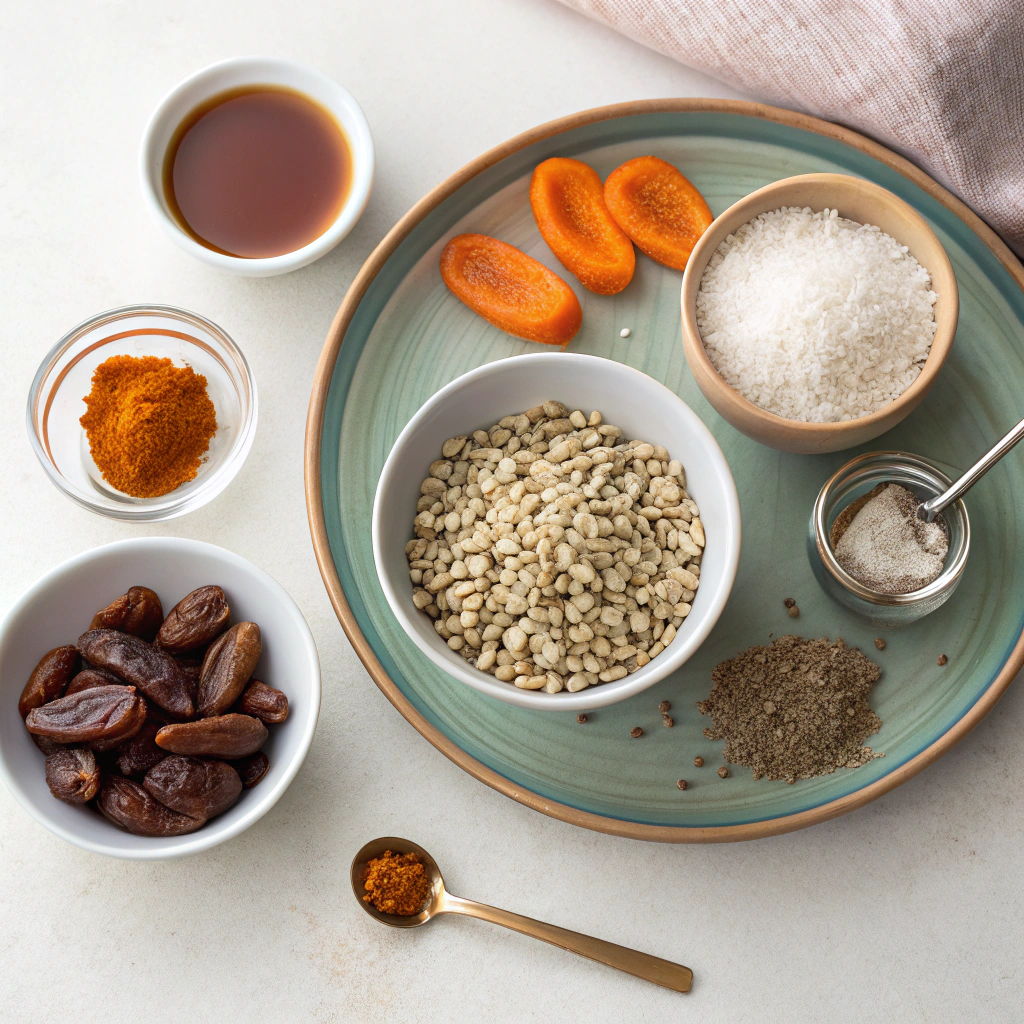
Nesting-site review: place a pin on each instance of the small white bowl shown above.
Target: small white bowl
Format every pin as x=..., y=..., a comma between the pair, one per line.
x=231, y=74
x=57, y=610
x=644, y=409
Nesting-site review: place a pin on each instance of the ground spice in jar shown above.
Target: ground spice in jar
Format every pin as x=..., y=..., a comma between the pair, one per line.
x=149, y=423
x=396, y=883
x=794, y=710
x=887, y=547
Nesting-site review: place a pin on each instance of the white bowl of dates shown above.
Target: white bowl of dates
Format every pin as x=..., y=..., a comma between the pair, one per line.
x=157, y=696
x=534, y=552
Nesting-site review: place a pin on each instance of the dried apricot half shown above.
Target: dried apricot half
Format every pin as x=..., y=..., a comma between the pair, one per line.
x=658, y=208
x=511, y=290
x=567, y=199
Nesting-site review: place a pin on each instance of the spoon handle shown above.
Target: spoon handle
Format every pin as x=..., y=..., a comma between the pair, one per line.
x=929, y=509
x=640, y=965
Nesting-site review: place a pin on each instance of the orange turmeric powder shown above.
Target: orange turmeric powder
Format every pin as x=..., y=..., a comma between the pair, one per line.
x=396, y=883
x=149, y=423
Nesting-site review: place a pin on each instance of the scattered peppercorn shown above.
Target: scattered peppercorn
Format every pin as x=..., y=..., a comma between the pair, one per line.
x=794, y=612
x=698, y=762
x=880, y=643
x=723, y=772
x=636, y=732
x=581, y=718
x=667, y=721
x=790, y=602
x=681, y=783
x=664, y=707
x=943, y=659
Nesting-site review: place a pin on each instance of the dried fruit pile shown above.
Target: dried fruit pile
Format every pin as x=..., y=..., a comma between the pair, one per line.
x=591, y=228
x=145, y=712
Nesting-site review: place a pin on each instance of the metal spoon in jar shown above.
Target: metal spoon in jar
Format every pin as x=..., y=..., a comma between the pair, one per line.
x=928, y=510
x=440, y=901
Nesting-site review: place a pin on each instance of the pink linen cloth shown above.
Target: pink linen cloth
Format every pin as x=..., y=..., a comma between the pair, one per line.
x=940, y=81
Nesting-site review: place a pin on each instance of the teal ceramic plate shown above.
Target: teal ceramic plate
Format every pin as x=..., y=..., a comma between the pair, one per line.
x=399, y=336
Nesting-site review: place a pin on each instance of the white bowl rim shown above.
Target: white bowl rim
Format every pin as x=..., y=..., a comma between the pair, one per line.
x=265, y=73
x=605, y=693
x=209, y=835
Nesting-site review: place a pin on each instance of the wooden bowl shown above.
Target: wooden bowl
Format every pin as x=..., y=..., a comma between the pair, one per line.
x=858, y=200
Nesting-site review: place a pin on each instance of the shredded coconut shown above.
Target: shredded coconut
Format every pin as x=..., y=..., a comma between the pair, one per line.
x=814, y=317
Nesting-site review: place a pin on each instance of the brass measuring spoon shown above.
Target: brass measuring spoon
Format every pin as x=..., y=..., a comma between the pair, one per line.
x=440, y=901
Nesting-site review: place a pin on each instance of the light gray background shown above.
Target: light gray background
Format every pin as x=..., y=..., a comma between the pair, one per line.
x=908, y=910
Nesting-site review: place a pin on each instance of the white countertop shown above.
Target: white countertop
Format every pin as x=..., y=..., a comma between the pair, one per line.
x=907, y=910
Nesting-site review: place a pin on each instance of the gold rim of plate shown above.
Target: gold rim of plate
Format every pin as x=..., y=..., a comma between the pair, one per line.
x=318, y=526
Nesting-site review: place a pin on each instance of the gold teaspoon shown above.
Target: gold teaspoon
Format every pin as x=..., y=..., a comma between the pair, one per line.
x=440, y=901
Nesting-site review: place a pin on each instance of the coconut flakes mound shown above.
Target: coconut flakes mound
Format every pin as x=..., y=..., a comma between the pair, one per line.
x=814, y=317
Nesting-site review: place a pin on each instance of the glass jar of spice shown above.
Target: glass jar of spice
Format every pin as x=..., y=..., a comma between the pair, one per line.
x=855, y=480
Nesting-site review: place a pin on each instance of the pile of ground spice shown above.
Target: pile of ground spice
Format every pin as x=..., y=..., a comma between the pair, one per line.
x=396, y=883
x=794, y=710
x=149, y=423
x=886, y=546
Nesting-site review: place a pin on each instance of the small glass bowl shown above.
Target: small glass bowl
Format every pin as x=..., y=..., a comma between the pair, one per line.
x=56, y=401
x=852, y=481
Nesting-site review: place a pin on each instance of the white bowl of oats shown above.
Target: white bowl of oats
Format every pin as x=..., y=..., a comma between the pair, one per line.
x=556, y=530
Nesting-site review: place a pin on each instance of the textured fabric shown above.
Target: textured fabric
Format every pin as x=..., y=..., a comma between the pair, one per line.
x=941, y=81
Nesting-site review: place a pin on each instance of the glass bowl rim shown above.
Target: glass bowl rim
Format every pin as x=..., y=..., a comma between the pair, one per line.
x=163, y=507
x=951, y=572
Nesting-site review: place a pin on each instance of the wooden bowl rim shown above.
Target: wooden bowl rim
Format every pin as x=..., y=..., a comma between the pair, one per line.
x=746, y=209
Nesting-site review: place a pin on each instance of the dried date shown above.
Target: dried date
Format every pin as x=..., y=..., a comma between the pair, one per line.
x=137, y=755
x=194, y=621
x=198, y=788
x=227, y=736
x=227, y=667
x=101, y=715
x=152, y=670
x=48, y=678
x=263, y=702
x=90, y=677
x=251, y=770
x=46, y=745
x=138, y=612
x=157, y=718
x=129, y=806
x=72, y=775
x=190, y=668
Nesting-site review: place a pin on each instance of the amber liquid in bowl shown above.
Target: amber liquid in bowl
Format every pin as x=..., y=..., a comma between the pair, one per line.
x=257, y=171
